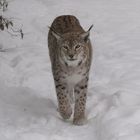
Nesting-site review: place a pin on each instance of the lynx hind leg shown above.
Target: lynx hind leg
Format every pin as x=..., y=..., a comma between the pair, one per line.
x=64, y=106
x=80, y=102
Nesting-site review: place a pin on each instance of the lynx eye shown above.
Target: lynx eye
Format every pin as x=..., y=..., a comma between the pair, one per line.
x=77, y=47
x=65, y=47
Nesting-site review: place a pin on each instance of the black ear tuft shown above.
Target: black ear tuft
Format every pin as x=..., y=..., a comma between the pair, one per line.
x=90, y=28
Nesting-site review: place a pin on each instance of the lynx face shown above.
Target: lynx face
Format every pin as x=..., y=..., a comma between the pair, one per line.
x=73, y=48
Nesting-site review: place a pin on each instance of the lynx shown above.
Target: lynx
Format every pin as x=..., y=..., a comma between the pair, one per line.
x=70, y=53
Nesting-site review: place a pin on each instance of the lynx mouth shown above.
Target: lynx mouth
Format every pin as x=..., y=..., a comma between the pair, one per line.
x=72, y=59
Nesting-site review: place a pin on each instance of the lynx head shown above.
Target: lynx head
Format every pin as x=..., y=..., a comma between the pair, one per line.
x=73, y=47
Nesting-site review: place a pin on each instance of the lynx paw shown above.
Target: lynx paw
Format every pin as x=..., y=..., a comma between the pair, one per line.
x=66, y=114
x=80, y=121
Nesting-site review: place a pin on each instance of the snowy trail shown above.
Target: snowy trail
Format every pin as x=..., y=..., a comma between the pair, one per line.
x=28, y=106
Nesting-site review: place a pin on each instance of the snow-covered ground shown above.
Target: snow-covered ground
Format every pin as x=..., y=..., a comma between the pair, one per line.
x=27, y=96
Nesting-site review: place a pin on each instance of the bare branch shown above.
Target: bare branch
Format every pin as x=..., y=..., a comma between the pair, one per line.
x=7, y=24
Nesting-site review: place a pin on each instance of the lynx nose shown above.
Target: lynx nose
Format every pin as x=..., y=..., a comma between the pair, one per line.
x=71, y=56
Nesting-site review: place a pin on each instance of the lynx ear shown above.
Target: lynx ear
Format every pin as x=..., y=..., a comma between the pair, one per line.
x=85, y=35
x=55, y=34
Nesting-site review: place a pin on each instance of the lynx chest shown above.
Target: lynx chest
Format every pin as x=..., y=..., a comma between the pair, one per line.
x=75, y=76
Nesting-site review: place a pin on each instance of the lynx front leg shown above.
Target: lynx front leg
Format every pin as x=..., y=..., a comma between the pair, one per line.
x=80, y=102
x=63, y=100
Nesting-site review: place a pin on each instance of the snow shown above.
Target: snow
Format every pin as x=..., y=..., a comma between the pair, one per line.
x=28, y=105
